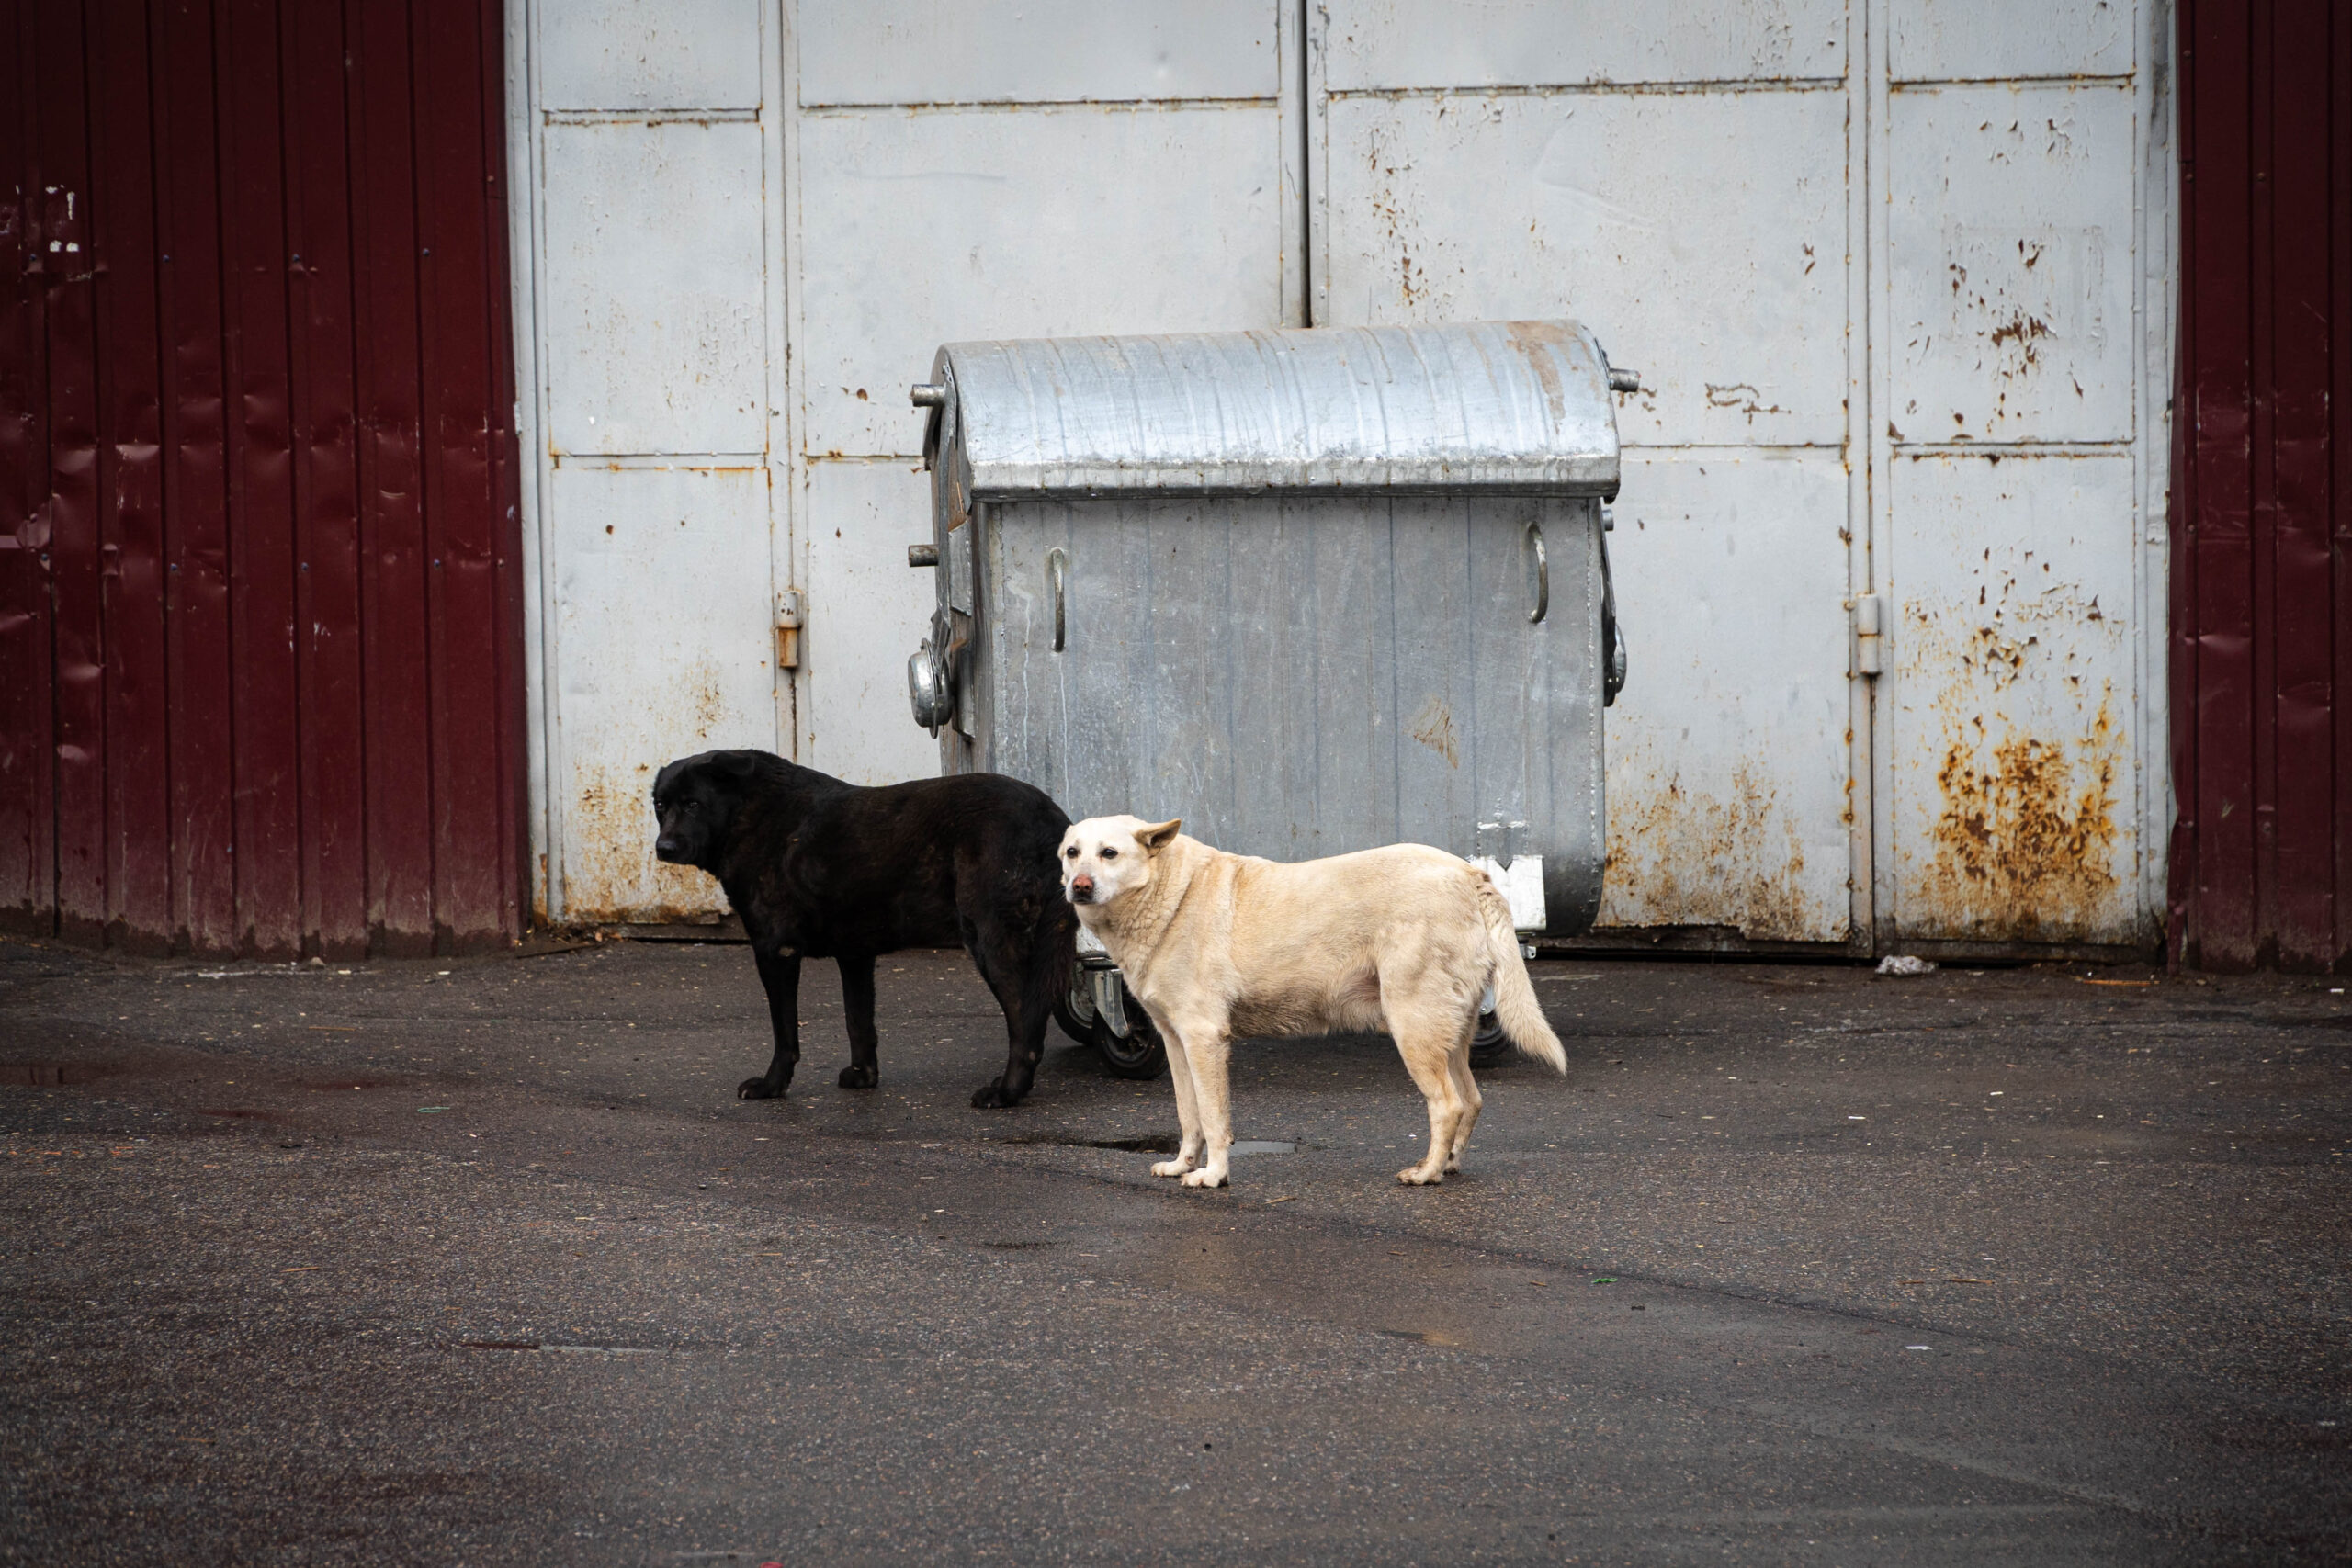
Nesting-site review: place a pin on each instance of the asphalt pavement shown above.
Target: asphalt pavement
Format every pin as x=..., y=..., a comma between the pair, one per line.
x=480, y=1261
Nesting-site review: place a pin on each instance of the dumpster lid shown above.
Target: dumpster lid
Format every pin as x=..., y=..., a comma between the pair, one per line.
x=1514, y=406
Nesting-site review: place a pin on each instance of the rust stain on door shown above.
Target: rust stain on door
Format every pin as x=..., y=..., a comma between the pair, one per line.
x=1681, y=853
x=2027, y=834
x=613, y=870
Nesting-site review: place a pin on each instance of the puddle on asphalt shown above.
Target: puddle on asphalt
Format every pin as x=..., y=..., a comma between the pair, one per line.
x=54, y=1075
x=552, y=1348
x=1161, y=1144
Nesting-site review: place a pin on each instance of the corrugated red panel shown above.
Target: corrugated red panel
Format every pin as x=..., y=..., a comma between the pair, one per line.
x=2262, y=584
x=27, y=776
x=257, y=528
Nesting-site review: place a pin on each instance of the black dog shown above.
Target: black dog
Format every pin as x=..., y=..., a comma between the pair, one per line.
x=821, y=869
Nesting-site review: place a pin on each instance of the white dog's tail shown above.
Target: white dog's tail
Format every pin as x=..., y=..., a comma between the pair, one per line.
x=1515, y=1006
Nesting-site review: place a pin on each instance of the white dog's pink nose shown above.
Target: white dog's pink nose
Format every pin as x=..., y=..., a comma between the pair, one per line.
x=1081, y=883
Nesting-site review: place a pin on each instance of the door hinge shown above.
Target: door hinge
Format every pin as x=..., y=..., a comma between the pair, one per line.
x=1870, y=635
x=790, y=610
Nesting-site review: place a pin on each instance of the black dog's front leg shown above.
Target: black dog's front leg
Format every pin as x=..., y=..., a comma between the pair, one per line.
x=780, y=972
x=865, y=1069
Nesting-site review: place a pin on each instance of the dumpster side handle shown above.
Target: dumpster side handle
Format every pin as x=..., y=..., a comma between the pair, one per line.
x=1542, y=575
x=1056, y=580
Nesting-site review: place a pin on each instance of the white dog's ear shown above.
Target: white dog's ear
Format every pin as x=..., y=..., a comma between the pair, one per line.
x=1157, y=837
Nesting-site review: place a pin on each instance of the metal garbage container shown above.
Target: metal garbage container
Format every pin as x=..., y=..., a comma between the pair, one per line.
x=1311, y=591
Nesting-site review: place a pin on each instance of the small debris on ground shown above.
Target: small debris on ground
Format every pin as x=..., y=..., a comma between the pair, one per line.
x=1905, y=965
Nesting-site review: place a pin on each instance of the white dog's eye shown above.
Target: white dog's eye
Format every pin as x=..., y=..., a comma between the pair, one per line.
x=1110, y=855
x=1071, y=851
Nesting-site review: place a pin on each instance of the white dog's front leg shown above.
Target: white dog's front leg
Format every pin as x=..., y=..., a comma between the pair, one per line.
x=1208, y=1052
x=1188, y=1115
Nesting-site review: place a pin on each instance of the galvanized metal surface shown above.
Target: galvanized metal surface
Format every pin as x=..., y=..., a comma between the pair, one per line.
x=1521, y=406
x=1298, y=676
x=2261, y=654
x=1313, y=591
x=260, y=681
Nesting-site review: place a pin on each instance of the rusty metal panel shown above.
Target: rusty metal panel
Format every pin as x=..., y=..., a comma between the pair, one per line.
x=1701, y=235
x=648, y=54
x=2024, y=796
x=1993, y=41
x=654, y=292
x=1516, y=43
x=2012, y=238
x=652, y=217
x=953, y=51
x=2016, y=813
x=1006, y=250
x=1730, y=794
x=664, y=648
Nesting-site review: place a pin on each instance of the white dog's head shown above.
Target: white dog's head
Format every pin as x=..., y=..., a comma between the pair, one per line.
x=1106, y=858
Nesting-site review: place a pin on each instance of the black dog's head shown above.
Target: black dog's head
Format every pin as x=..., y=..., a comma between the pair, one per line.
x=695, y=800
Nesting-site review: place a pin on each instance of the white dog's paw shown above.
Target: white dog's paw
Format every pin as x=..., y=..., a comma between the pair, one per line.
x=1417, y=1176
x=1209, y=1178
x=1176, y=1166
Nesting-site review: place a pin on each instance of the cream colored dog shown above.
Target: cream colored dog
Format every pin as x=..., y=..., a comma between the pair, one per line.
x=1402, y=940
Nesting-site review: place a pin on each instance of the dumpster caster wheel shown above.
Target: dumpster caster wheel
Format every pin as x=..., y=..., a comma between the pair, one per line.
x=1140, y=1054
x=1490, y=1047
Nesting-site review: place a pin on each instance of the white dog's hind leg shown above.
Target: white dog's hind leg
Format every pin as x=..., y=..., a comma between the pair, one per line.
x=1209, y=1052
x=1428, y=1051
x=1188, y=1114
x=1467, y=1087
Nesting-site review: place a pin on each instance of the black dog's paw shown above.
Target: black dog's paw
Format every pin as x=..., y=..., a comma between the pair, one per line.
x=856, y=1076
x=759, y=1088
x=991, y=1096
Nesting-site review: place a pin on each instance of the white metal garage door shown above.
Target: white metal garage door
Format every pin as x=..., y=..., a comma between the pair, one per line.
x=1887, y=269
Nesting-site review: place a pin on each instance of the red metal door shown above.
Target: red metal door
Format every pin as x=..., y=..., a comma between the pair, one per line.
x=2262, y=502
x=260, y=631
